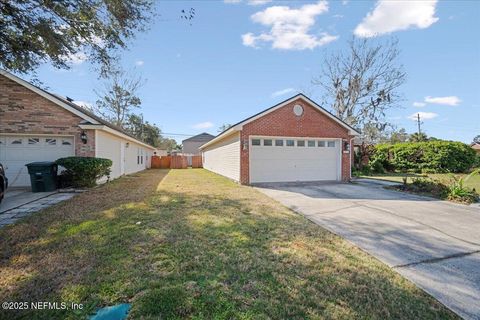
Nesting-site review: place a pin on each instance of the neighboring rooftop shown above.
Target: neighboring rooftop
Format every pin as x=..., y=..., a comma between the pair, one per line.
x=202, y=137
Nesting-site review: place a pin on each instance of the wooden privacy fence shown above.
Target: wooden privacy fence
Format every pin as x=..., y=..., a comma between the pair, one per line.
x=175, y=162
x=197, y=162
x=178, y=162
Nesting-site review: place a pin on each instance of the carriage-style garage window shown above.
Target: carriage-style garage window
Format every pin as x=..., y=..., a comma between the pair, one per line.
x=331, y=144
x=290, y=143
x=311, y=143
x=279, y=143
x=300, y=143
x=66, y=143
x=321, y=144
x=255, y=142
x=16, y=141
x=33, y=140
x=267, y=142
x=51, y=141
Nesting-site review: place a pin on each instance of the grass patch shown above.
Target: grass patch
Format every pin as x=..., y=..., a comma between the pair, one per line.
x=445, y=178
x=192, y=244
x=460, y=188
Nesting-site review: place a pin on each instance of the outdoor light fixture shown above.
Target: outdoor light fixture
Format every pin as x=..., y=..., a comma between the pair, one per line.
x=245, y=144
x=83, y=136
x=346, y=146
x=127, y=144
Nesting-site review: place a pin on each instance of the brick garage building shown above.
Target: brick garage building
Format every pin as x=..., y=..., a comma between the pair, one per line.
x=36, y=125
x=295, y=140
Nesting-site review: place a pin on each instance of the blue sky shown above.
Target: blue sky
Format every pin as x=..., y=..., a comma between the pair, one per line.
x=234, y=60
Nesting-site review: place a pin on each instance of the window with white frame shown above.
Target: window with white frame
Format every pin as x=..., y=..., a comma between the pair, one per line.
x=321, y=144
x=279, y=143
x=300, y=143
x=255, y=142
x=311, y=143
x=331, y=144
x=290, y=143
x=267, y=142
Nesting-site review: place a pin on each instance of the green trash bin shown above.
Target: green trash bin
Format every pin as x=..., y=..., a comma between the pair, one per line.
x=43, y=176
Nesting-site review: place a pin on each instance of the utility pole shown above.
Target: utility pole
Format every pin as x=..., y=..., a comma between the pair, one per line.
x=419, y=123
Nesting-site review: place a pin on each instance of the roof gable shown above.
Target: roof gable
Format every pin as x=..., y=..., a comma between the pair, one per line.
x=238, y=126
x=88, y=117
x=202, y=137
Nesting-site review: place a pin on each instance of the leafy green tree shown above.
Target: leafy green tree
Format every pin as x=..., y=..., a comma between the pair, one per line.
x=476, y=139
x=145, y=131
x=399, y=136
x=36, y=31
x=169, y=144
x=418, y=137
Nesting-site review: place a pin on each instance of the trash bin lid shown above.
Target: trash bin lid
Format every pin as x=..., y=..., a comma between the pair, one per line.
x=41, y=163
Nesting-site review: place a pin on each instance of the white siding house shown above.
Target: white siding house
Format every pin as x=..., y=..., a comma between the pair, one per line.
x=127, y=156
x=223, y=157
x=36, y=125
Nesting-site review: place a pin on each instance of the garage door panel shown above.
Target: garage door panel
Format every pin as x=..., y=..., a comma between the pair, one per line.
x=16, y=151
x=294, y=163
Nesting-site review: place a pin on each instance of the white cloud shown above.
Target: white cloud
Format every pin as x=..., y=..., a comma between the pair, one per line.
x=423, y=116
x=84, y=104
x=203, y=125
x=449, y=101
x=76, y=58
x=282, y=92
x=258, y=2
x=390, y=16
x=249, y=2
x=419, y=104
x=289, y=28
x=139, y=63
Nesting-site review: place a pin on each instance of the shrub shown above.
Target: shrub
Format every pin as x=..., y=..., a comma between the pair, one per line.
x=425, y=185
x=427, y=157
x=84, y=171
x=454, y=191
x=459, y=193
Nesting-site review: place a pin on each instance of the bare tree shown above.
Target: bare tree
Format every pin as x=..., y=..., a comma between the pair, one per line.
x=224, y=127
x=119, y=97
x=361, y=84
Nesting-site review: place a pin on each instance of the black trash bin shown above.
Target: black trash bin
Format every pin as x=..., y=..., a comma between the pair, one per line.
x=43, y=176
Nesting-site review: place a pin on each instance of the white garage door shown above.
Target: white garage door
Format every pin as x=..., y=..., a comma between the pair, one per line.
x=275, y=159
x=16, y=151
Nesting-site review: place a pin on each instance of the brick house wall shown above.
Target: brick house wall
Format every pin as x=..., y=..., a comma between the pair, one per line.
x=24, y=111
x=283, y=122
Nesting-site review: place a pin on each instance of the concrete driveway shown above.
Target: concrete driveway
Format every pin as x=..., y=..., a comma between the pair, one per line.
x=433, y=243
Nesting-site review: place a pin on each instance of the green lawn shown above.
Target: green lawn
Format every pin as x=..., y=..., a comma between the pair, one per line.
x=471, y=182
x=192, y=244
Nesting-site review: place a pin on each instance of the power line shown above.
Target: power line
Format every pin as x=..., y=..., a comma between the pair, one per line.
x=177, y=134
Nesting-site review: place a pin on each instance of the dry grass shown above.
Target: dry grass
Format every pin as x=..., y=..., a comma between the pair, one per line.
x=205, y=248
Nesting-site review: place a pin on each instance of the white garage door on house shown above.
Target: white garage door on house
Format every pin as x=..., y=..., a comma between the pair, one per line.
x=284, y=159
x=17, y=150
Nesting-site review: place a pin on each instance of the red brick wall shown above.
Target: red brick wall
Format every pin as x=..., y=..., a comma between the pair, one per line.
x=282, y=122
x=24, y=111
